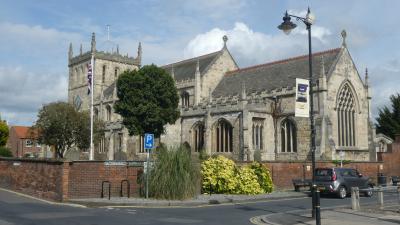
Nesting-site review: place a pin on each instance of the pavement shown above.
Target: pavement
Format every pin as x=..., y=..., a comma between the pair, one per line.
x=370, y=215
x=201, y=200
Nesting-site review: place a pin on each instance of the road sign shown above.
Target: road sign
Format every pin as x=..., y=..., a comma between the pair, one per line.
x=148, y=141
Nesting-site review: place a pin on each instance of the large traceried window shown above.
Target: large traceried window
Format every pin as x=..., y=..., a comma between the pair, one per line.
x=257, y=133
x=288, y=136
x=185, y=99
x=223, y=136
x=198, y=136
x=346, y=117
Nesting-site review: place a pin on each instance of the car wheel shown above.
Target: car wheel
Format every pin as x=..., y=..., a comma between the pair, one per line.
x=369, y=192
x=342, y=192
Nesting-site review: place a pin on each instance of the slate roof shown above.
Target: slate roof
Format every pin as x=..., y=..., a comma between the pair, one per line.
x=186, y=69
x=274, y=75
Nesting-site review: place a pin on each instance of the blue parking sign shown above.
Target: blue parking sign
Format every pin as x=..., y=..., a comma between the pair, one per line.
x=148, y=141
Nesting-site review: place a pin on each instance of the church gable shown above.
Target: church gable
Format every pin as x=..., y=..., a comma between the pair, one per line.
x=186, y=69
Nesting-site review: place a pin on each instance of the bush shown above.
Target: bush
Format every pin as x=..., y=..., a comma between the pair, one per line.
x=5, y=152
x=247, y=182
x=219, y=173
x=173, y=176
x=263, y=177
x=225, y=177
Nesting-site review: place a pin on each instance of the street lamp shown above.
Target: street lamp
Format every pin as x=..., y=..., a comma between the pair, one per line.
x=286, y=26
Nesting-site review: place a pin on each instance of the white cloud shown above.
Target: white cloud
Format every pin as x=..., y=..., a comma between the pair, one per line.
x=381, y=81
x=34, y=41
x=22, y=93
x=250, y=47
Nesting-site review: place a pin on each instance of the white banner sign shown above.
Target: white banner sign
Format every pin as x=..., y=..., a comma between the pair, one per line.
x=302, y=105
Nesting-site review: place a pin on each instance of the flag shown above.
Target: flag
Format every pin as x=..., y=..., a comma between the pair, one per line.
x=89, y=78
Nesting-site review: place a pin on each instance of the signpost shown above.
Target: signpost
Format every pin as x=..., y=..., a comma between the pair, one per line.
x=148, y=145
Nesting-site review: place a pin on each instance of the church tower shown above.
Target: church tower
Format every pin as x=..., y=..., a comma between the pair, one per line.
x=108, y=65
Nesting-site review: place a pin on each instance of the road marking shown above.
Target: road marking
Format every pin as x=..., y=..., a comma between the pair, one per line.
x=42, y=200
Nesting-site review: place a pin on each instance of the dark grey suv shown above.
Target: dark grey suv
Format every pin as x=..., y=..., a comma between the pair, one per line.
x=340, y=181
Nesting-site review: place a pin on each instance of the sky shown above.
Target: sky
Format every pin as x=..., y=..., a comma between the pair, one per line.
x=35, y=36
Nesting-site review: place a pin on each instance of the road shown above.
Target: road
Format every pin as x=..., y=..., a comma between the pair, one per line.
x=19, y=210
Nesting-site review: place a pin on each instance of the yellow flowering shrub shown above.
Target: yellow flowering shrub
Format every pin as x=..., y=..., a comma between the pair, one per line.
x=263, y=176
x=219, y=173
x=247, y=182
x=223, y=176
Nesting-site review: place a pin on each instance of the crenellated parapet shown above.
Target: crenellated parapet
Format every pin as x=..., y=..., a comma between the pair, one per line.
x=185, y=83
x=114, y=57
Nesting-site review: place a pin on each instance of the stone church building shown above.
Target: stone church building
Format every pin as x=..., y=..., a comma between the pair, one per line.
x=244, y=113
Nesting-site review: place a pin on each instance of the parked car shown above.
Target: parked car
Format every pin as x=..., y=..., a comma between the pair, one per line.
x=339, y=181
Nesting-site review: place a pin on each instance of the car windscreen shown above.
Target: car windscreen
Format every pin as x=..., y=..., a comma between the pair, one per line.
x=323, y=172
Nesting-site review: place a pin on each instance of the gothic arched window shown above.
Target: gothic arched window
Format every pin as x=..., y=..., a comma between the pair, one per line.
x=288, y=136
x=108, y=113
x=198, y=136
x=185, y=99
x=257, y=133
x=96, y=113
x=103, y=75
x=345, y=115
x=223, y=136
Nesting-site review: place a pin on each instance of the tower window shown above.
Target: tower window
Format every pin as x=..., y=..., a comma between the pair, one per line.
x=108, y=113
x=103, y=78
x=116, y=72
x=185, y=99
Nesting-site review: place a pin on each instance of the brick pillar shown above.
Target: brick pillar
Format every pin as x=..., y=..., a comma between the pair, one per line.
x=65, y=181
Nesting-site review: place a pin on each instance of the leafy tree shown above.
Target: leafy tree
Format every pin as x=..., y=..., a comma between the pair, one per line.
x=3, y=133
x=389, y=119
x=61, y=126
x=148, y=100
x=5, y=152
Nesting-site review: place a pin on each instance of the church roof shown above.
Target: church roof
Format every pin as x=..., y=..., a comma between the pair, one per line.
x=278, y=74
x=186, y=69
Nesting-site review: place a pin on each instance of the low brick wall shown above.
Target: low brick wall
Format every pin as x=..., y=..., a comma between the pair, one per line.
x=60, y=181
x=283, y=172
x=38, y=178
x=85, y=179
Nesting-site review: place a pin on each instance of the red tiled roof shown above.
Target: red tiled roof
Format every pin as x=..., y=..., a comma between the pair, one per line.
x=21, y=131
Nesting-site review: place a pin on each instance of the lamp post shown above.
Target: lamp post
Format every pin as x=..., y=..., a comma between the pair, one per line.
x=286, y=27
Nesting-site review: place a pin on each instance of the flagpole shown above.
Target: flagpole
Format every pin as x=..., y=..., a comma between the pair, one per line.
x=91, y=156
